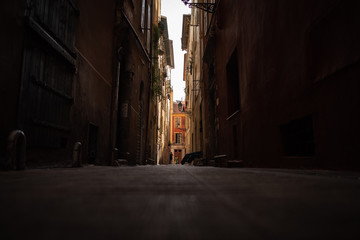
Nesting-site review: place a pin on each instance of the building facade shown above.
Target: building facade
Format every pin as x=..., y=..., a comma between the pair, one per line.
x=133, y=44
x=178, y=137
x=77, y=72
x=151, y=147
x=281, y=83
x=194, y=99
x=163, y=97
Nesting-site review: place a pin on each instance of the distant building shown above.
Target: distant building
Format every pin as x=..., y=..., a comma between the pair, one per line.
x=178, y=130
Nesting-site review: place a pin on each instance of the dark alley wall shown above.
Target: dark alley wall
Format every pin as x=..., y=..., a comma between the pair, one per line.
x=10, y=65
x=297, y=68
x=38, y=63
x=91, y=112
x=68, y=67
x=135, y=79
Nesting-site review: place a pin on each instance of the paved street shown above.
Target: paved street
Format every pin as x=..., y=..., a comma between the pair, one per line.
x=178, y=202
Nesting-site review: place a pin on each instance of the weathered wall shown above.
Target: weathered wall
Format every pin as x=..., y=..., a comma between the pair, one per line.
x=38, y=72
x=101, y=29
x=11, y=42
x=295, y=59
x=93, y=80
x=134, y=83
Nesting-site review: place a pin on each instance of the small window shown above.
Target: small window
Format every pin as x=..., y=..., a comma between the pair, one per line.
x=298, y=137
x=177, y=122
x=178, y=138
x=148, y=27
x=142, y=15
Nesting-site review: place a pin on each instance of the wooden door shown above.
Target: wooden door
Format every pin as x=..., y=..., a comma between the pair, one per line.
x=47, y=74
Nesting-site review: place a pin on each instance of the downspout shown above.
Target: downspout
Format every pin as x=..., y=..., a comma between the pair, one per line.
x=149, y=141
x=114, y=112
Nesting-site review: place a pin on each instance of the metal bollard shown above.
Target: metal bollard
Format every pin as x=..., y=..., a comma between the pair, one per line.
x=77, y=155
x=16, y=151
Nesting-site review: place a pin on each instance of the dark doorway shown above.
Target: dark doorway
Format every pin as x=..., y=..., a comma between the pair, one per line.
x=177, y=156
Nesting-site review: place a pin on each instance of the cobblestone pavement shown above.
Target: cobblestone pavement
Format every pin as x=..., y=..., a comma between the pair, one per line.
x=178, y=202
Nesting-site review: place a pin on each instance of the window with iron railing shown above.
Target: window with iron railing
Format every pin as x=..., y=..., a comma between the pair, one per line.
x=177, y=122
x=178, y=138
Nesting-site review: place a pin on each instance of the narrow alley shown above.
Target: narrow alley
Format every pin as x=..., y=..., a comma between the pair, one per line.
x=179, y=119
x=271, y=84
x=179, y=202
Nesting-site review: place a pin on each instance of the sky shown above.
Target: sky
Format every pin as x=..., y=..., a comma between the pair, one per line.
x=174, y=10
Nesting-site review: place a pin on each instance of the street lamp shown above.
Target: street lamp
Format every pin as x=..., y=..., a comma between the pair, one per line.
x=180, y=107
x=207, y=7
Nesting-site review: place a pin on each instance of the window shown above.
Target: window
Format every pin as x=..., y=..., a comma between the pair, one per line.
x=177, y=122
x=178, y=138
x=142, y=15
x=298, y=137
x=148, y=29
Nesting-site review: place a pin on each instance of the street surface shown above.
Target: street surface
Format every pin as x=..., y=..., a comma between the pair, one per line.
x=178, y=202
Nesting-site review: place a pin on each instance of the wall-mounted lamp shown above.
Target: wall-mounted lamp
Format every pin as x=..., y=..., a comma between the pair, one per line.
x=207, y=7
x=180, y=107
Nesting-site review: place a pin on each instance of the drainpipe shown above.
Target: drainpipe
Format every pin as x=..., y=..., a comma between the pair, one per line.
x=16, y=151
x=148, y=110
x=113, y=123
